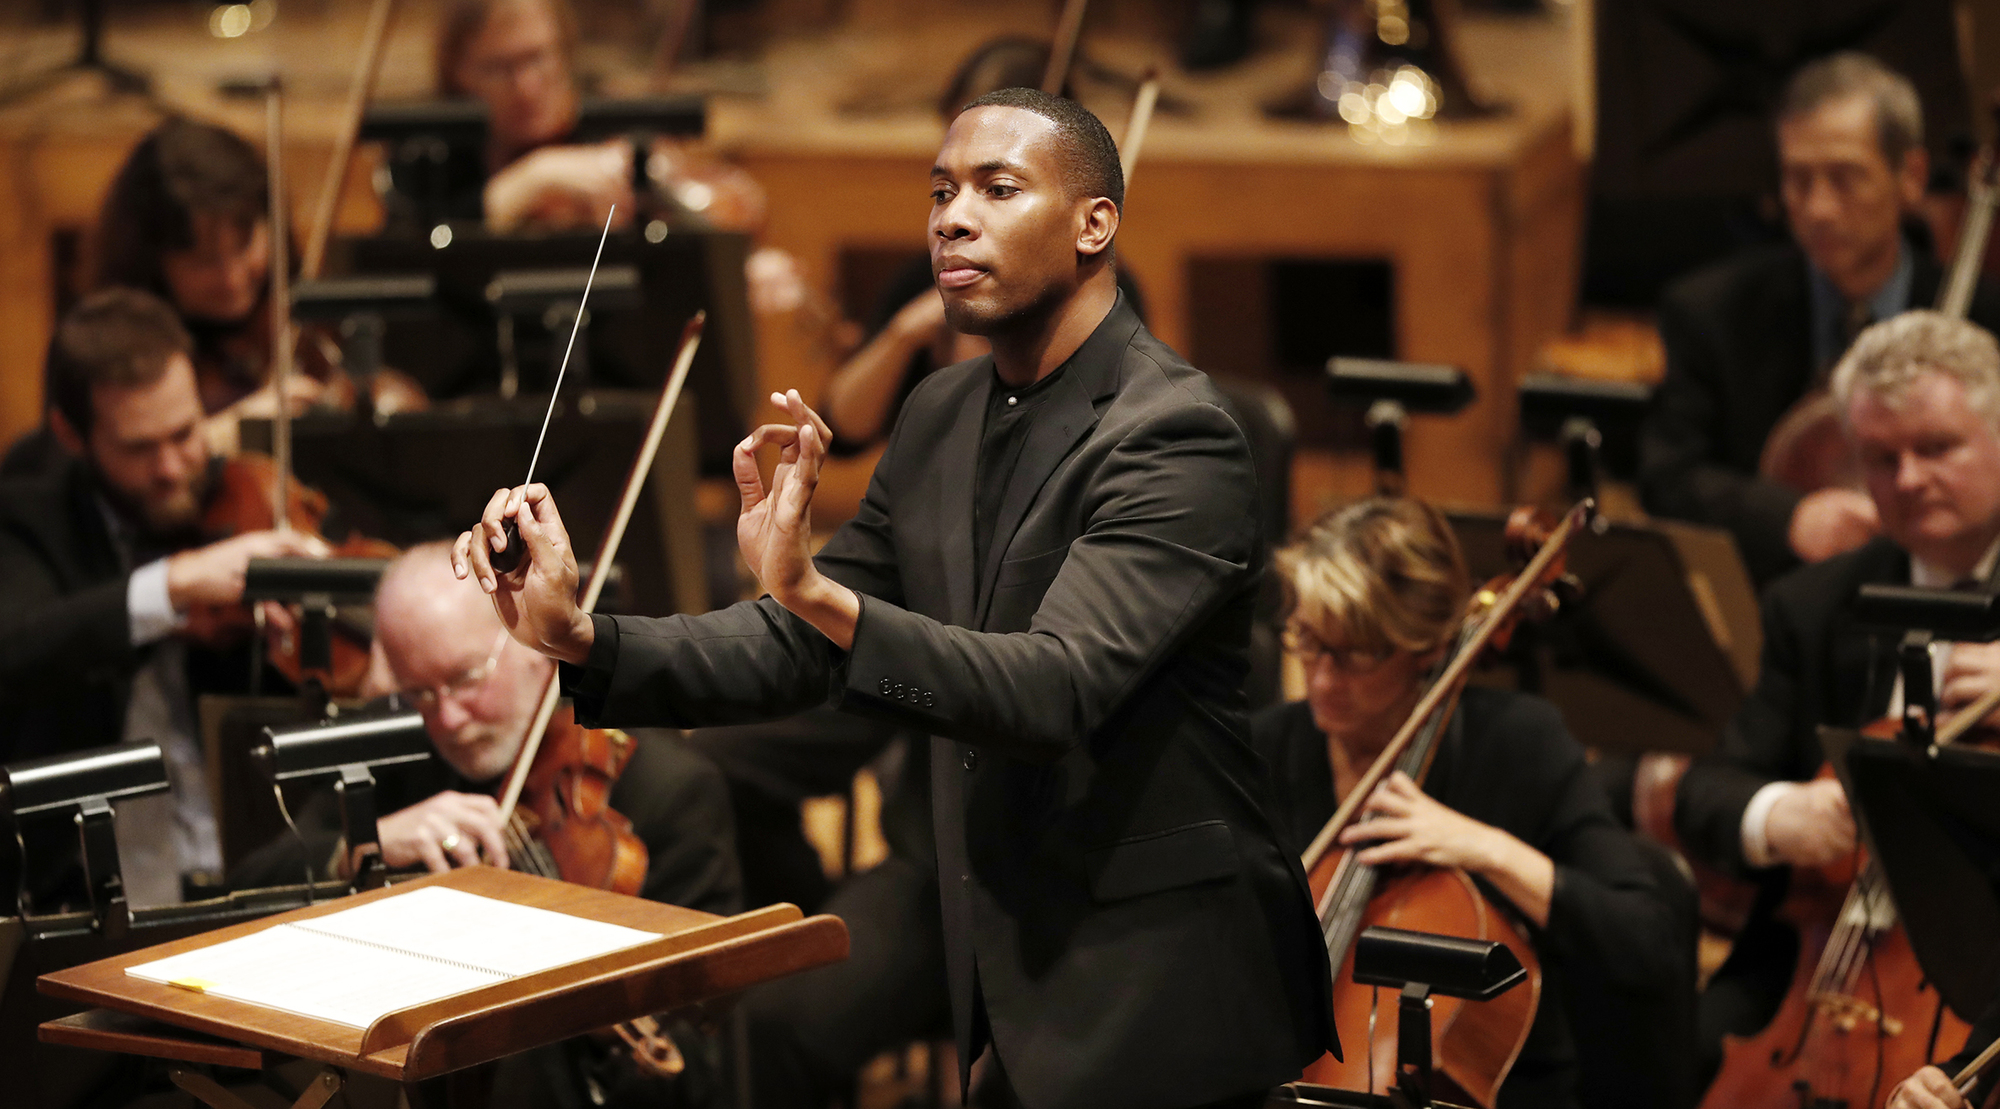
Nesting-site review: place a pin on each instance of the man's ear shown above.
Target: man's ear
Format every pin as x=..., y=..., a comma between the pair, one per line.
x=1098, y=227
x=66, y=433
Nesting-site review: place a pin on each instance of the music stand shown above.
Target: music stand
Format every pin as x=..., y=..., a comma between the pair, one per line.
x=411, y=477
x=458, y=352
x=696, y=958
x=1931, y=822
x=1659, y=649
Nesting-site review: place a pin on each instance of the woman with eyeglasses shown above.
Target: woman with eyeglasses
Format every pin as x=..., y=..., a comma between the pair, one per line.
x=1373, y=596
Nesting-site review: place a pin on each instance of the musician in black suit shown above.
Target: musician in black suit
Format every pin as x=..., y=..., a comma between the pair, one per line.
x=105, y=580
x=1747, y=338
x=1921, y=398
x=1053, y=573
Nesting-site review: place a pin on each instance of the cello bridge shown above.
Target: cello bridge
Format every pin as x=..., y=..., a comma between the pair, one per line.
x=1848, y=1013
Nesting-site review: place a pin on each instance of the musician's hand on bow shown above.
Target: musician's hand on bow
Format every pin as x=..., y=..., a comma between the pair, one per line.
x=1974, y=671
x=1406, y=825
x=775, y=530
x=1929, y=1088
x=1810, y=825
x=536, y=600
x=443, y=831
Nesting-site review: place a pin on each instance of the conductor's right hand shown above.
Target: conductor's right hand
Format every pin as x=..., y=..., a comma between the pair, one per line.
x=537, y=599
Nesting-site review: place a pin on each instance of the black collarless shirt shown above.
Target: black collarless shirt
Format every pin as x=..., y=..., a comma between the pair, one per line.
x=1009, y=415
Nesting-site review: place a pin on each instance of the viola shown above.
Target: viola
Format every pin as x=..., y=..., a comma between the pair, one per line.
x=1474, y=1044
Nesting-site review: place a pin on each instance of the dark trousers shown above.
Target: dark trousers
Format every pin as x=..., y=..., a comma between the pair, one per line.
x=996, y=1092
x=810, y=1033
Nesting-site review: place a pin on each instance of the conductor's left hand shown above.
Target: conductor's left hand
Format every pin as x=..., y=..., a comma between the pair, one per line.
x=774, y=533
x=537, y=599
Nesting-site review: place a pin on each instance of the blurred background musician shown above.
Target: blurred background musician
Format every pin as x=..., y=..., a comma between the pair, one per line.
x=1374, y=594
x=1921, y=399
x=188, y=219
x=440, y=646
x=104, y=628
x=1748, y=337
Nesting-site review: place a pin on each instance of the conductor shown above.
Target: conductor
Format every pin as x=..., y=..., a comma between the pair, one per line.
x=1053, y=574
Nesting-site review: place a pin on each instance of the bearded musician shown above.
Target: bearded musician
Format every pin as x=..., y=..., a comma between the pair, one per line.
x=1374, y=596
x=1920, y=398
x=106, y=625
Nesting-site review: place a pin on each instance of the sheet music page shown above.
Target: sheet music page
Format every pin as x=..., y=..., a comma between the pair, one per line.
x=499, y=936
x=314, y=975
x=356, y=966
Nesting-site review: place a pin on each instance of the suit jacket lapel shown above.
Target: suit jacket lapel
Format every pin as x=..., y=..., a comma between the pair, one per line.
x=1065, y=418
x=958, y=469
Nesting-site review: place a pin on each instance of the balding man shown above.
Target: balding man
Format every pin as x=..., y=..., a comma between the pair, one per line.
x=1920, y=395
x=1746, y=338
x=478, y=691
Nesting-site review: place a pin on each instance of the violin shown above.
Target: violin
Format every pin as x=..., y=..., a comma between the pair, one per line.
x=1474, y=1045
x=242, y=499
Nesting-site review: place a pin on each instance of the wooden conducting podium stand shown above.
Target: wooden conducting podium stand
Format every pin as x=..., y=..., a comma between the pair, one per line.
x=697, y=957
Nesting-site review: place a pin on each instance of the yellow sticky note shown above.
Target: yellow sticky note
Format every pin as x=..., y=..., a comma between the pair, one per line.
x=198, y=985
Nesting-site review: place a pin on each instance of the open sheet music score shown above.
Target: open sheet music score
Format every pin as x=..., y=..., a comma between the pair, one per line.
x=356, y=966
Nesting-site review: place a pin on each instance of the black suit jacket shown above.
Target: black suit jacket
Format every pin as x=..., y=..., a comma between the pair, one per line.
x=1109, y=876
x=1739, y=354
x=1817, y=668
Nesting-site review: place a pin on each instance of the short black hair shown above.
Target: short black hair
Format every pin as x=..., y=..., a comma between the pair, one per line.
x=1089, y=156
x=115, y=337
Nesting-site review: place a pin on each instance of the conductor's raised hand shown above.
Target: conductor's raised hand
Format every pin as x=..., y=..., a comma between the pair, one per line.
x=536, y=601
x=774, y=532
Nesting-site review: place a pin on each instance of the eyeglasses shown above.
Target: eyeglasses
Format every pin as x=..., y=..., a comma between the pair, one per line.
x=539, y=63
x=1310, y=648
x=464, y=684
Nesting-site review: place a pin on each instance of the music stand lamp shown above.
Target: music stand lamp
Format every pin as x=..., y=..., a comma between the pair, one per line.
x=82, y=785
x=1391, y=391
x=318, y=586
x=361, y=308
x=1922, y=617
x=556, y=295
x=347, y=751
x=1577, y=413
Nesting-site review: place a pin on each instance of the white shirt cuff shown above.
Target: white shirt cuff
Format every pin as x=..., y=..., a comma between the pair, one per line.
x=153, y=615
x=1756, y=849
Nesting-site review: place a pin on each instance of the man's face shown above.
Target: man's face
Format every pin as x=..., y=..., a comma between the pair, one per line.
x=221, y=277
x=1932, y=464
x=1843, y=199
x=516, y=65
x=476, y=688
x=1004, y=229
x=146, y=447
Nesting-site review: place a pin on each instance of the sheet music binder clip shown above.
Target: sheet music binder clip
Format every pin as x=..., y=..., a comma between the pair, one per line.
x=348, y=752
x=84, y=783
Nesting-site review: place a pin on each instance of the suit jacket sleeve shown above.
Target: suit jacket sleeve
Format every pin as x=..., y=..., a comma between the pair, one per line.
x=1683, y=467
x=50, y=642
x=1168, y=535
x=1756, y=747
x=750, y=662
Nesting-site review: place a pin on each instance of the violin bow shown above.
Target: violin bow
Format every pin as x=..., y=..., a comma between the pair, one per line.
x=280, y=297
x=607, y=551
x=1964, y=1079
x=1135, y=128
x=1447, y=684
x=1063, y=50
x=358, y=92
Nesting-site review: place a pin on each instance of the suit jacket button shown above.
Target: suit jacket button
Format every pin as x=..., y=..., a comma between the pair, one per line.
x=929, y=701
x=972, y=760
x=885, y=685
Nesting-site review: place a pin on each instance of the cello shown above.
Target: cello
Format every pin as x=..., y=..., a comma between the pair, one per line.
x=1474, y=1045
